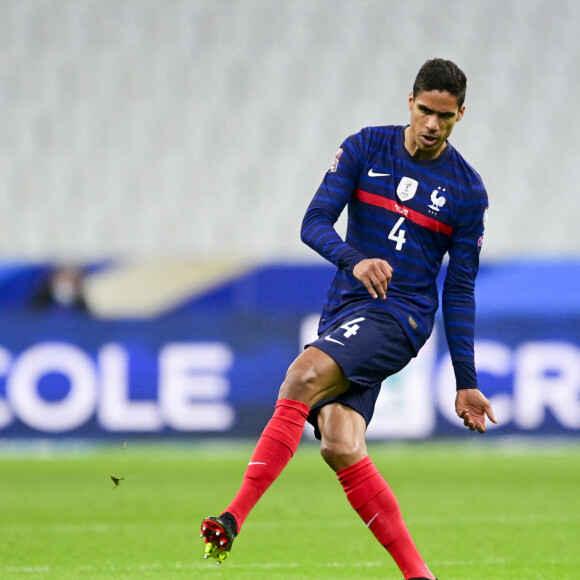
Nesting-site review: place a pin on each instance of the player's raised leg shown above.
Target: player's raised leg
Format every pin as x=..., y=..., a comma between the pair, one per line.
x=312, y=376
x=343, y=448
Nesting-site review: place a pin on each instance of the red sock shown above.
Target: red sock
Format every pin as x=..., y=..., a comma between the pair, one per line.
x=274, y=450
x=373, y=500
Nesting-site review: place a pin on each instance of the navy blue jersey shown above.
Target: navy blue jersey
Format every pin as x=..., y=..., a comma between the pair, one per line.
x=410, y=213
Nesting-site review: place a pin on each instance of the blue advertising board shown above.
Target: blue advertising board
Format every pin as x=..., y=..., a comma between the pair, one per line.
x=212, y=365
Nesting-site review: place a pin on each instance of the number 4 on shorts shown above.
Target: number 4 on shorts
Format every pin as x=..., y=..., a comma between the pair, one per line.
x=351, y=327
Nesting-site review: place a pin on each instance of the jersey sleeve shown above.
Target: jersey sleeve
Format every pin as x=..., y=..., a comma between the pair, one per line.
x=459, y=288
x=333, y=194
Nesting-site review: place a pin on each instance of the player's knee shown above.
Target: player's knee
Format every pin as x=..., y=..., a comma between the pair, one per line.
x=302, y=383
x=339, y=454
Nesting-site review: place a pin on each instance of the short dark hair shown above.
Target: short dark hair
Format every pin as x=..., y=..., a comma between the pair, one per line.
x=441, y=75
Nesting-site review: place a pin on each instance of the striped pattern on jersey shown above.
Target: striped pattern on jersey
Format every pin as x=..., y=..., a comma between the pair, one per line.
x=411, y=213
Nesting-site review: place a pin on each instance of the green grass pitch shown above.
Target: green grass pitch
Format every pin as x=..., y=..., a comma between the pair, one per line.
x=478, y=510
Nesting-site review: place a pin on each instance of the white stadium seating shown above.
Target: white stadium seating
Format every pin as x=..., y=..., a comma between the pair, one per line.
x=202, y=128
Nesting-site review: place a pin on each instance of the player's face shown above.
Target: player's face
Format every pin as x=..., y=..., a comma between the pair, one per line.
x=433, y=116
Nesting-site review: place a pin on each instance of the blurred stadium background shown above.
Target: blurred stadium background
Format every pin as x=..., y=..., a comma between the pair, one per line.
x=169, y=150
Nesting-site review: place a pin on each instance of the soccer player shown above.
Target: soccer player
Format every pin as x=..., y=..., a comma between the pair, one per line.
x=411, y=198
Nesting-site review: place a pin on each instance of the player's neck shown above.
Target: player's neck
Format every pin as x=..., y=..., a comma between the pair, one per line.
x=412, y=146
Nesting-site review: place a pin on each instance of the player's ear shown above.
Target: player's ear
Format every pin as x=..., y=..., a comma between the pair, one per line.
x=411, y=101
x=461, y=112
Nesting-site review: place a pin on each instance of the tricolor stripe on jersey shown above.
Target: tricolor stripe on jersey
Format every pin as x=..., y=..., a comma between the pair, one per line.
x=414, y=216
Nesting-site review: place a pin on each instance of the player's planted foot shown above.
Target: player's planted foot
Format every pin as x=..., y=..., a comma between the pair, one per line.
x=219, y=534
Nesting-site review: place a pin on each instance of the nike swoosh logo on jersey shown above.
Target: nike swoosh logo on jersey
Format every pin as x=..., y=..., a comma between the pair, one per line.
x=333, y=340
x=373, y=174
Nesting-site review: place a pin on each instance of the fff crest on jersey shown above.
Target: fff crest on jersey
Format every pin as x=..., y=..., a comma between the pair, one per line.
x=437, y=200
x=407, y=188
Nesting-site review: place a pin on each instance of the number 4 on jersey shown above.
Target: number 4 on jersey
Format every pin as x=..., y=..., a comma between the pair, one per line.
x=400, y=236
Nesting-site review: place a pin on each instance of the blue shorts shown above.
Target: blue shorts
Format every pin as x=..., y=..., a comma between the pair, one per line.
x=369, y=346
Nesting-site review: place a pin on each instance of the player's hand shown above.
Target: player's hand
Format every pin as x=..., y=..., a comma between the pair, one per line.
x=375, y=274
x=472, y=406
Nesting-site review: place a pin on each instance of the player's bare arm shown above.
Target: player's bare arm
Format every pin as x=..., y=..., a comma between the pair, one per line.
x=472, y=406
x=375, y=274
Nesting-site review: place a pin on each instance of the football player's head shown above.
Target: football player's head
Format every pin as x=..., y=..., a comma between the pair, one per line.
x=443, y=76
x=436, y=104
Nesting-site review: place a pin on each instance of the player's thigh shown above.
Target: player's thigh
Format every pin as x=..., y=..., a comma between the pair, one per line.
x=313, y=376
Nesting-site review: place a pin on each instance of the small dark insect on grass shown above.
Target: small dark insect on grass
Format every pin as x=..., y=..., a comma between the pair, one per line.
x=116, y=481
